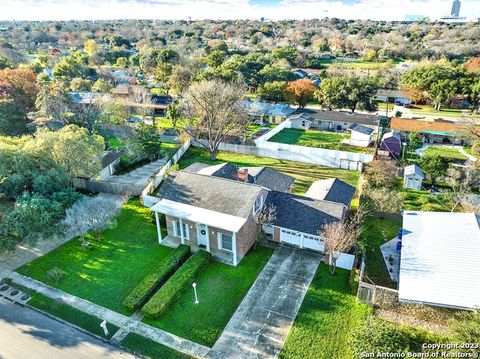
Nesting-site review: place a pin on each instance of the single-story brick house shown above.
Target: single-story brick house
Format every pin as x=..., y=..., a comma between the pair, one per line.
x=215, y=208
x=262, y=112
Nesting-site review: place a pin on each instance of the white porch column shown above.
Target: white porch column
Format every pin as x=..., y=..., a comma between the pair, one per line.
x=301, y=240
x=159, y=228
x=181, y=231
x=207, y=229
x=234, y=247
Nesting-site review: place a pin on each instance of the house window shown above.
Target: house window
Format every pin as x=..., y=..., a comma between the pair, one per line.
x=176, y=230
x=225, y=242
x=257, y=206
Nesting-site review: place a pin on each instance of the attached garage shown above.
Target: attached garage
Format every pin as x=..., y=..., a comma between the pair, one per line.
x=301, y=240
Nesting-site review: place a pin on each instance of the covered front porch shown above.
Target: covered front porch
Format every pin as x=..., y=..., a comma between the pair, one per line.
x=199, y=228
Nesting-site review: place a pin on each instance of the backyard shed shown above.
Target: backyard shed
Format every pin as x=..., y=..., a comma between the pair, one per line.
x=301, y=121
x=392, y=143
x=360, y=135
x=439, y=259
x=413, y=177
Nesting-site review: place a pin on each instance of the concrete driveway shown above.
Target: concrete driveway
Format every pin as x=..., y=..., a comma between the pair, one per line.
x=27, y=334
x=261, y=323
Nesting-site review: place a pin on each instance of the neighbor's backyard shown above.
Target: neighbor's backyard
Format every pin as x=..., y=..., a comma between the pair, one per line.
x=305, y=174
x=319, y=139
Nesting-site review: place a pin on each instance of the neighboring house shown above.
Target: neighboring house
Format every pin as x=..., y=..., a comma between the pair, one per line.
x=267, y=112
x=214, y=207
x=301, y=121
x=135, y=96
x=439, y=259
x=85, y=98
x=110, y=161
x=413, y=177
x=433, y=131
x=398, y=97
x=392, y=143
x=337, y=121
x=123, y=77
x=360, y=135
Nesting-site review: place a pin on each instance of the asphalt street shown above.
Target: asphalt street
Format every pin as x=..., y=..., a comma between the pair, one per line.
x=25, y=333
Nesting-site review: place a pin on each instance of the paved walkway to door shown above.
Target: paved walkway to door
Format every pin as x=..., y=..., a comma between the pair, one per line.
x=261, y=323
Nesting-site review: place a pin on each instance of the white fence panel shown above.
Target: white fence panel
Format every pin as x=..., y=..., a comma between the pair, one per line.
x=345, y=261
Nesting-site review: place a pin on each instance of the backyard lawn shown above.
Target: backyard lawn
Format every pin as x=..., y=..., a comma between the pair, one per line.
x=326, y=320
x=447, y=152
x=305, y=174
x=221, y=288
x=314, y=138
x=375, y=232
x=107, y=271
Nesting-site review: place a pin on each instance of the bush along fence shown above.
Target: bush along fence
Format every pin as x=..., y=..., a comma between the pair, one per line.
x=170, y=292
x=150, y=284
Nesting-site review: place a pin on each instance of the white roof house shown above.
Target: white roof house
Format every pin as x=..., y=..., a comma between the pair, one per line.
x=440, y=259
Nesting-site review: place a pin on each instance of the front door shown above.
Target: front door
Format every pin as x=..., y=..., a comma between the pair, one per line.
x=202, y=235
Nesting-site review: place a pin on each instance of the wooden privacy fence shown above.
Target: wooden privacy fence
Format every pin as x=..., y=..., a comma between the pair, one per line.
x=97, y=186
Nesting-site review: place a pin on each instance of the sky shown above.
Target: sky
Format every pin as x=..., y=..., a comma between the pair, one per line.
x=229, y=9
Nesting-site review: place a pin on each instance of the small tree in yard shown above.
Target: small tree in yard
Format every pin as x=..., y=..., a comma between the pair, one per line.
x=341, y=236
x=435, y=166
x=265, y=217
x=214, y=112
x=148, y=141
x=91, y=214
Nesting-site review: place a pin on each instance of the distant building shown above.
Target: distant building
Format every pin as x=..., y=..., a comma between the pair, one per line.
x=456, y=8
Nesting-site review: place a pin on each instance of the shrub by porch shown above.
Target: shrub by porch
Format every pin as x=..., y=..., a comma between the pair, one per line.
x=177, y=283
x=147, y=287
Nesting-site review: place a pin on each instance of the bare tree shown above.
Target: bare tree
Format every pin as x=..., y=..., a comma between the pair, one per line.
x=342, y=236
x=462, y=181
x=265, y=217
x=92, y=214
x=143, y=102
x=214, y=112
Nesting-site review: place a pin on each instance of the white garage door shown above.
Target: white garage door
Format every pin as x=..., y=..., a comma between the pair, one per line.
x=313, y=242
x=290, y=237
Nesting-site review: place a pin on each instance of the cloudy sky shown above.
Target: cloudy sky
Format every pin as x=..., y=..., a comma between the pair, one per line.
x=229, y=9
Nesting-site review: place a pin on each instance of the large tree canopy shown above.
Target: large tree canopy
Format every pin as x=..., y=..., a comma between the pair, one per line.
x=214, y=112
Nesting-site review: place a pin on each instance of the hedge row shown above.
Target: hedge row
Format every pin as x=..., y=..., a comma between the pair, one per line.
x=150, y=284
x=170, y=292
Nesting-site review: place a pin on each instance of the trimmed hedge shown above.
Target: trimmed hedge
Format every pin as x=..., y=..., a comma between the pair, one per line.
x=174, y=287
x=150, y=284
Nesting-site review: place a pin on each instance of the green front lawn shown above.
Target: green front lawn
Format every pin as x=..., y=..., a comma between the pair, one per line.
x=221, y=288
x=107, y=271
x=305, y=174
x=63, y=311
x=115, y=143
x=319, y=139
x=375, y=232
x=149, y=348
x=447, y=152
x=326, y=320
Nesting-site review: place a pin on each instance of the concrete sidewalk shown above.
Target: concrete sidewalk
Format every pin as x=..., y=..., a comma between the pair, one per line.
x=123, y=322
x=263, y=320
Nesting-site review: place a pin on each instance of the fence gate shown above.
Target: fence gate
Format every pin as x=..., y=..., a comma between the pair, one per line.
x=366, y=293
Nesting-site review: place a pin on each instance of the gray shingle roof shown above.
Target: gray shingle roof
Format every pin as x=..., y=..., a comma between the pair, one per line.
x=303, y=214
x=393, y=134
x=262, y=176
x=333, y=190
x=271, y=179
x=258, y=108
x=340, y=116
x=209, y=192
x=362, y=129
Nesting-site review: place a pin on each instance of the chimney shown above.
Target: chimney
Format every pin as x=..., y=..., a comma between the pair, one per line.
x=242, y=174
